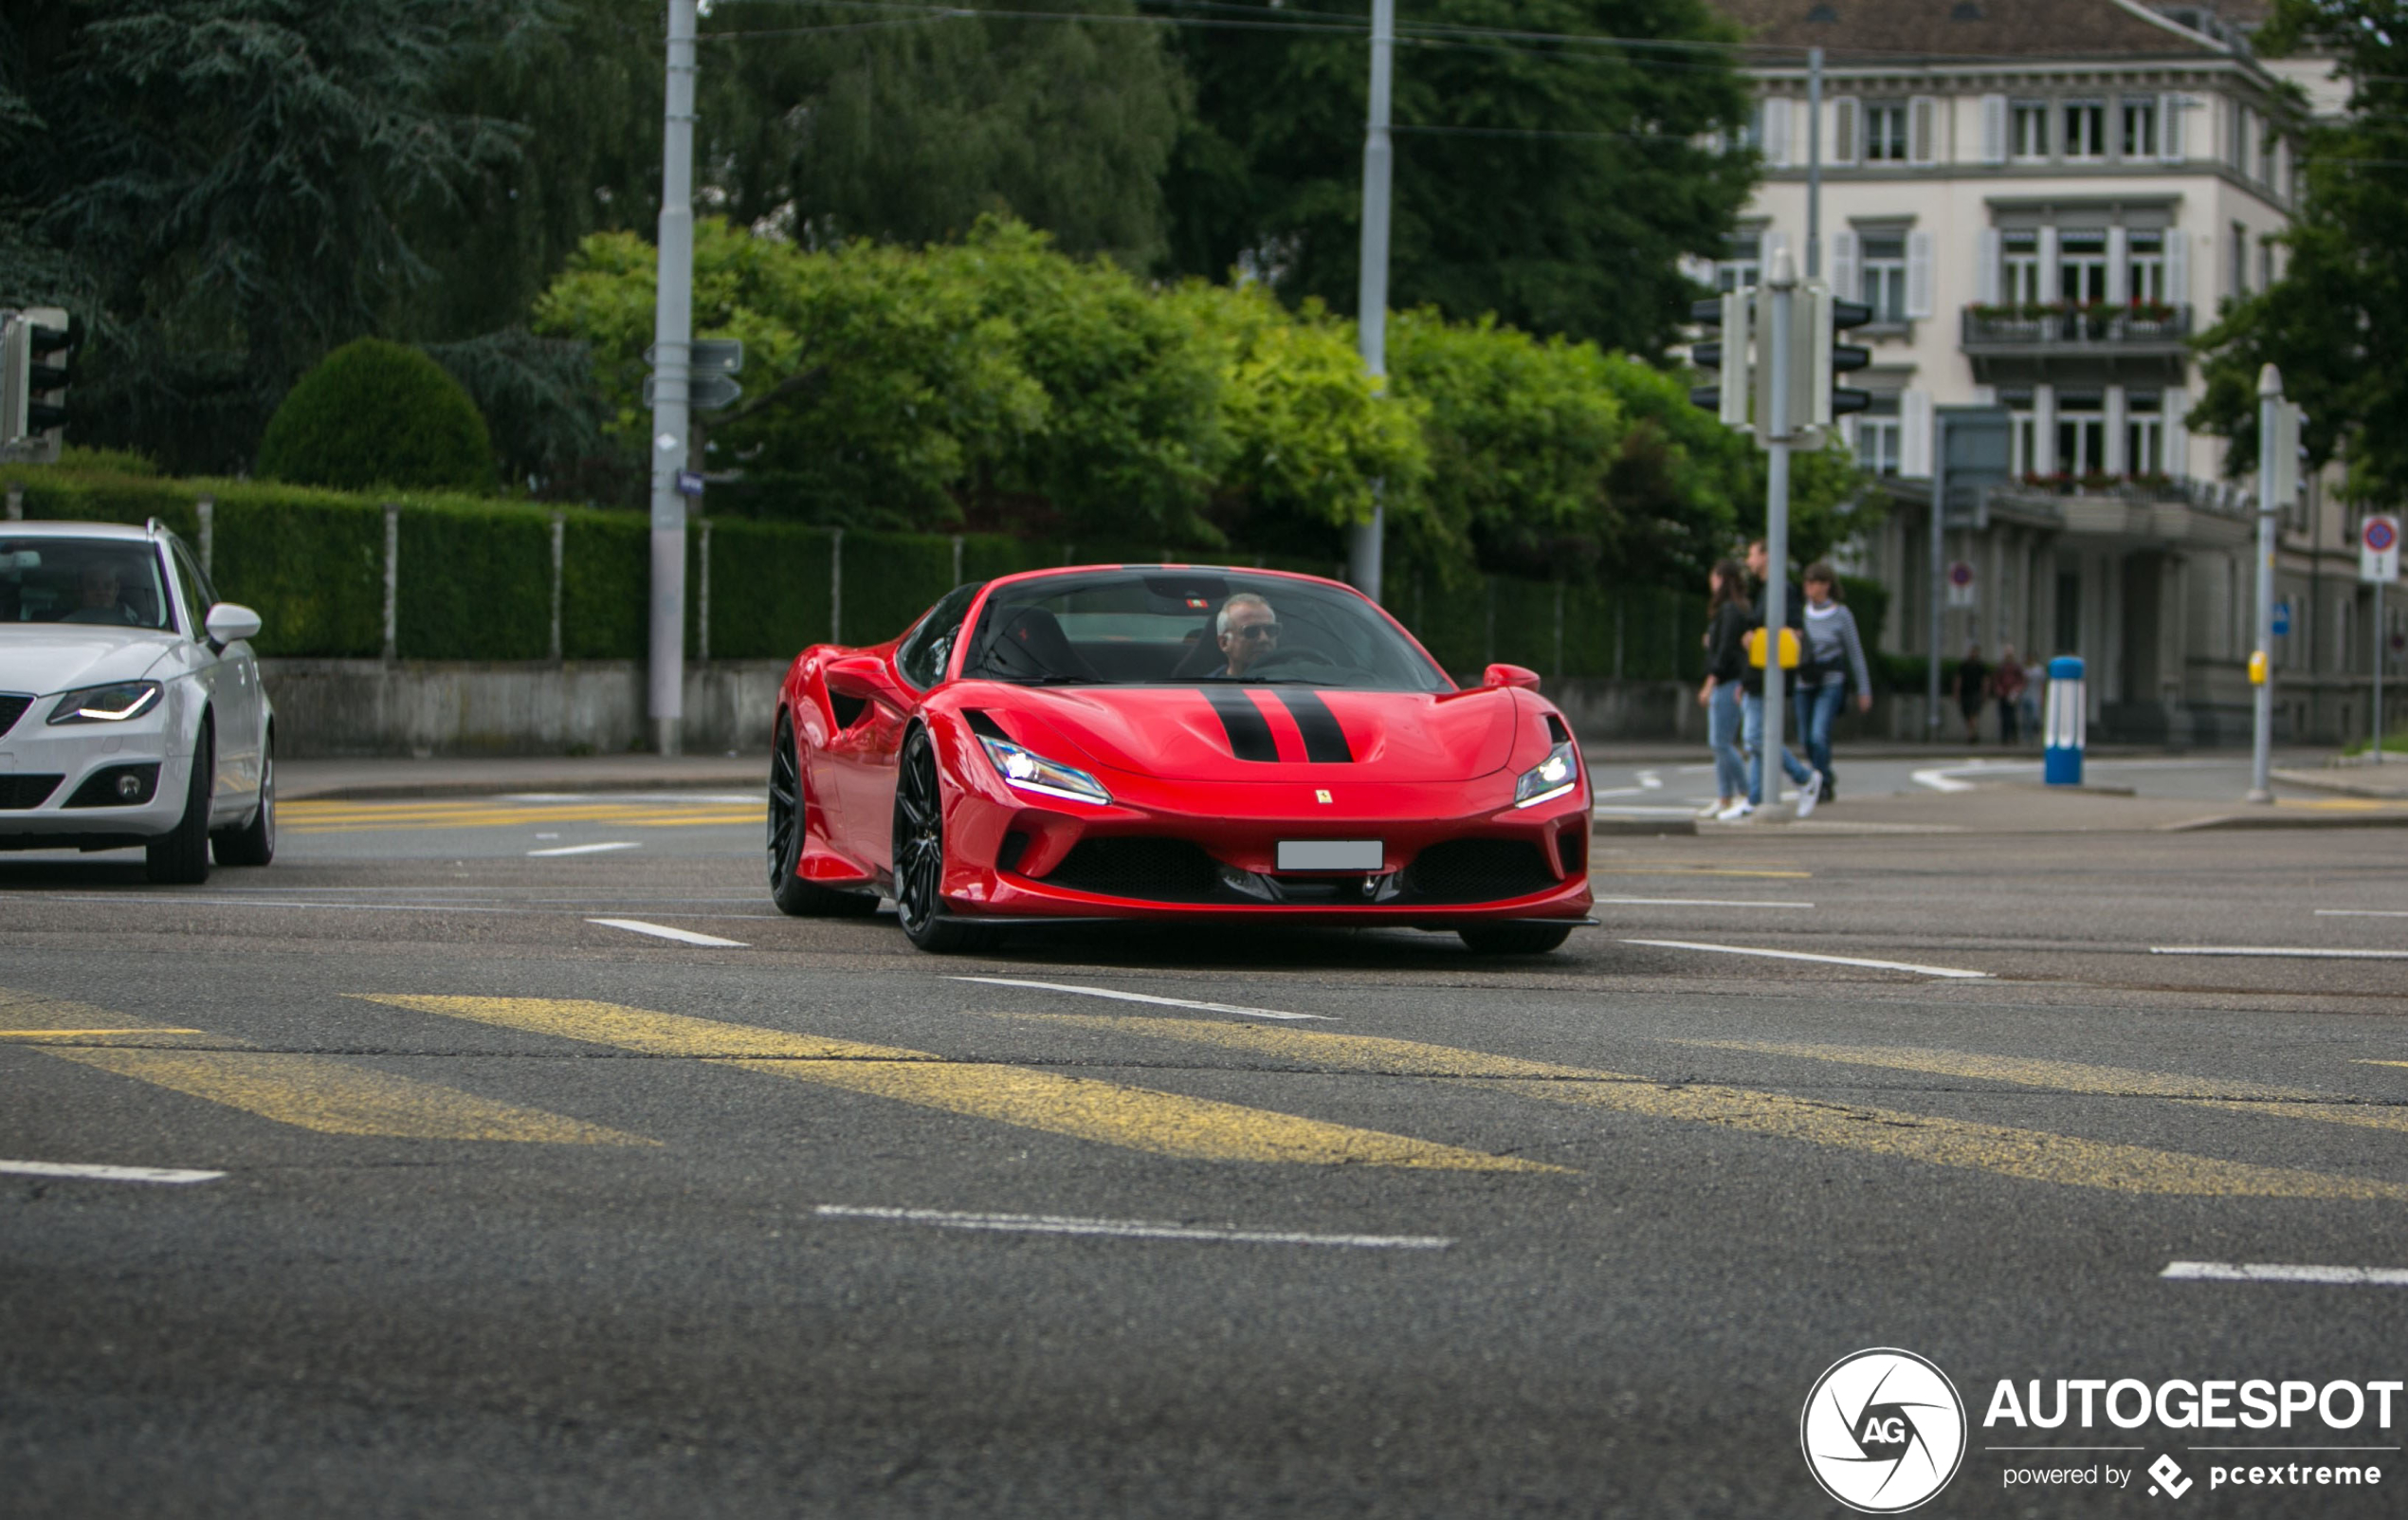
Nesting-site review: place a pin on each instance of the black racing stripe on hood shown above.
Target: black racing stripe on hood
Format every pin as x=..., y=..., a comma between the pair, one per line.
x=1249, y=736
x=1325, y=741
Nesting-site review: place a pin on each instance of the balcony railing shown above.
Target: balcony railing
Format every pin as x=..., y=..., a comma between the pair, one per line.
x=2220, y=497
x=2056, y=327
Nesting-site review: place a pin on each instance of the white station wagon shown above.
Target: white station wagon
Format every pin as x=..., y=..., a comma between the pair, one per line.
x=131, y=711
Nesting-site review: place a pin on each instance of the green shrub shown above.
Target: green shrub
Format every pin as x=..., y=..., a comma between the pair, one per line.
x=311, y=563
x=768, y=588
x=376, y=413
x=890, y=578
x=69, y=496
x=606, y=585
x=475, y=581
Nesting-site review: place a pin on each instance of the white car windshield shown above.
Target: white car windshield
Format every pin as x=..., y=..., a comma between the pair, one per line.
x=1159, y=627
x=113, y=582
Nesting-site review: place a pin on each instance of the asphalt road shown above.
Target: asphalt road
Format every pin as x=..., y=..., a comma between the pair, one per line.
x=526, y=1212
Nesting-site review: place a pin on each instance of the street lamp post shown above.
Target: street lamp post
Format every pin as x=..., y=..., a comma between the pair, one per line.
x=1371, y=303
x=672, y=333
x=2270, y=470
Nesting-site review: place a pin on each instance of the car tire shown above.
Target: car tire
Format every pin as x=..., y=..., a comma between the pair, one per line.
x=1514, y=938
x=181, y=857
x=254, y=843
x=919, y=855
x=787, y=809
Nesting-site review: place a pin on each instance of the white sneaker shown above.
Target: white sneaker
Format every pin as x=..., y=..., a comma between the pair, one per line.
x=1735, y=811
x=1809, y=793
x=1711, y=810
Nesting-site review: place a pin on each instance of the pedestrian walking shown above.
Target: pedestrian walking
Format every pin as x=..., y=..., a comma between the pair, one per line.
x=1727, y=612
x=2028, y=705
x=1831, y=664
x=1973, y=691
x=2006, y=684
x=1810, y=785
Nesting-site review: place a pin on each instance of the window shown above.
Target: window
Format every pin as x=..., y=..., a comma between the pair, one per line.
x=2146, y=271
x=2019, y=249
x=2081, y=432
x=1877, y=435
x=2270, y=148
x=199, y=596
x=1885, y=275
x=111, y=582
x=2068, y=610
x=1886, y=133
x=2081, y=265
x=1743, y=257
x=2024, y=438
x=2236, y=121
x=2086, y=131
x=927, y=649
x=2139, y=129
x=2029, y=136
x=2239, y=259
x=2265, y=262
x=2144, y=432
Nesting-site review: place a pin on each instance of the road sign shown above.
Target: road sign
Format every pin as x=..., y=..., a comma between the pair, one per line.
x=2282, y=619
x=2379, y=549
x=689, y=483
x=710, y=356
x=1961, y=584
x=707, y=390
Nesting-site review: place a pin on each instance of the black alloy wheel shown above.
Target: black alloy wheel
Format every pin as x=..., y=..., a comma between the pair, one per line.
x=920, y=853
x=788, y=811
x=254, y=843
x=181, y=857
x=1514, y=938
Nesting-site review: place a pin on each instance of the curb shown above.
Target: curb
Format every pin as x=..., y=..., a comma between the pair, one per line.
x=2321, y=781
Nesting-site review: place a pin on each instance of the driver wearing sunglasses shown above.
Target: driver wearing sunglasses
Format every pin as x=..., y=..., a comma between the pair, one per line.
x=1247, y=631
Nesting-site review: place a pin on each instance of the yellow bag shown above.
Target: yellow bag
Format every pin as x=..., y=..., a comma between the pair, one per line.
x=1789, y=647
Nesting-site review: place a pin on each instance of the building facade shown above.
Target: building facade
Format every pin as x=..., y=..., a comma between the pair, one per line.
x=2043, y=201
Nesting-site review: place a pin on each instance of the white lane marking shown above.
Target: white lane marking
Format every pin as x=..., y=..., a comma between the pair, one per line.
x=1697, y=901
x=1950, y=778
x=2272, y=1272
x=2284, y=952
x=2361, y=912
x=636, y=925
x=1145, y=997
x=1939, y=780
x=1650, y=780
x=1129, y=1228
x=1618, y=791
x=547, y=836
x=108, y=1174
x=1827, y=960
x=1689, y=812
x=588, y=850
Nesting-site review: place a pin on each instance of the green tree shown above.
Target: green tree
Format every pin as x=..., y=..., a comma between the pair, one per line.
x=2336, y=322
x=1554, y=183
x=376, y=413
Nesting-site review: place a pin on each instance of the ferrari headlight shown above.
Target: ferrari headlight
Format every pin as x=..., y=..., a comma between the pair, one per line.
x=1550, y=779
x=1032, y=772
x=107, y=705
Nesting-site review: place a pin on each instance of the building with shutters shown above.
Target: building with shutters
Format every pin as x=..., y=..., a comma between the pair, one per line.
x=2042, y=201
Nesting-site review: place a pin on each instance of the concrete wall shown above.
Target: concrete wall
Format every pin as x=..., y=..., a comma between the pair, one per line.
x=337, y=707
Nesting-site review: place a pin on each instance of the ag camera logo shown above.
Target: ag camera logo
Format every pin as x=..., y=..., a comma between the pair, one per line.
x=1883, y=1430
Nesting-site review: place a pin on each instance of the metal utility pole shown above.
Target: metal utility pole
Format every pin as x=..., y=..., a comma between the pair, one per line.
x=1781, y=277
x=1938, y=566
x=1371, y=296
x=1814, y=166
x=673, y=335
x=2270, y=448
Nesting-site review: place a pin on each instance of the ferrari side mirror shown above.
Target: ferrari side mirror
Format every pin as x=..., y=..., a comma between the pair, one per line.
x=1511, y=675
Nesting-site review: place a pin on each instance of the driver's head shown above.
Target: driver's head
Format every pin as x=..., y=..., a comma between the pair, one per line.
x=99, y=584
x=1249, y=631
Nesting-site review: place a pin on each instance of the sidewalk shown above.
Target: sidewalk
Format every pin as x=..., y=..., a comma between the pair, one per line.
x=454, y=775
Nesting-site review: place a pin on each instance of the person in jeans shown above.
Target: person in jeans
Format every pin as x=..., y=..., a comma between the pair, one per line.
x=2006, y=682
x=1832, y=660
x=1726, y=620
x=1810, y=785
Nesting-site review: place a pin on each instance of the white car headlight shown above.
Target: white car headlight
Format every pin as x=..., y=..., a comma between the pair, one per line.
x=107, y=705
x=1550, y=779
x=1032, y=772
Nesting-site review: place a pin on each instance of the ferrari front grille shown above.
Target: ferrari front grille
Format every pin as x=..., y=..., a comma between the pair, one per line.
x=1479, y=871
x=11, y=708
x=1154, y=870
x=18, y=793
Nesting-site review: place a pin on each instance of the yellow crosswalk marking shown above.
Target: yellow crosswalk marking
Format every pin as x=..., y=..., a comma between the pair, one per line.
x=1163, y=1124
x=346, y=817
x=310, y=1091
x=2382, y=1063
x=2072, y=1076
x=2030, y=1154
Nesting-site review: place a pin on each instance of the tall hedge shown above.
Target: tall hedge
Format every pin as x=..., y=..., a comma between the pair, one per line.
x=376, y=413
x=475, y=583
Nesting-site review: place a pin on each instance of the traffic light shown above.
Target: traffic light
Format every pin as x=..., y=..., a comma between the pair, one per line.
x=35, y=345
x=1831, y=317
x=1730, y=314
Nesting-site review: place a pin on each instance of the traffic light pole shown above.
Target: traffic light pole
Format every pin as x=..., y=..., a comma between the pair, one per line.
x=1781, y=280
x=2269, y=404
x=1939, y=568
x=1371, y=303
x=672, y=337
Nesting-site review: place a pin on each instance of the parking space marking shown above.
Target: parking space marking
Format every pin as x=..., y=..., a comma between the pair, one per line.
x=1119, y=995
x=2270, y=1271
x=1141, y=1119
x=171, y=1175
x=1128, y=1229
x=2072, y=1076
x=662, y=931
x=2032, y=1155
x=587, y=850
x=1942, y=972
x=2278, y=952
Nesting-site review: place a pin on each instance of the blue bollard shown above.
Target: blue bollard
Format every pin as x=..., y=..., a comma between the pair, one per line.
x=2065, y=724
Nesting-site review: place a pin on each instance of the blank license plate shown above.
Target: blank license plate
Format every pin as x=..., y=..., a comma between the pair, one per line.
x=1332, y=855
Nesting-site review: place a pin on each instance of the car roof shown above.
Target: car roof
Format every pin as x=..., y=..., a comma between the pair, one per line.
x=124, y=532
x=1049, y=571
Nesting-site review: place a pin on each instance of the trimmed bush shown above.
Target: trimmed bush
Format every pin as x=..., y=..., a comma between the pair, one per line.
x=768, y=588
x=891, y=578
x=311, y=563
x=606, y=585
x=376, y=413
x=476, y=582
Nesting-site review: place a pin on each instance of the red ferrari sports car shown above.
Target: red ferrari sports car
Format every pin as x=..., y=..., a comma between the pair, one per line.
x=1172, y=742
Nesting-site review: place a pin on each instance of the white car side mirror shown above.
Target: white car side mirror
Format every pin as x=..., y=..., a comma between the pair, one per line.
x=230, y=623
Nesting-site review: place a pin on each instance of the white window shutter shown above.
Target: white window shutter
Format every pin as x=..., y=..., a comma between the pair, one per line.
x=1923, y=128
x=1844, y=113
x=2119, y=288
x=2178, y=267
x=1994, y=129
x=2169, y=128
x=2178, y=437
x=1775, y=135
x=2047, y=249
x=2115, y=463
x=1914, y=434
x=1847, y=277
x=1988, y=254
x=2044, y=430
x=1919, y=272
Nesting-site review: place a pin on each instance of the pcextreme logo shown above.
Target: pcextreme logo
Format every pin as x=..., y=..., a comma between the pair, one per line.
x=1883, y=1430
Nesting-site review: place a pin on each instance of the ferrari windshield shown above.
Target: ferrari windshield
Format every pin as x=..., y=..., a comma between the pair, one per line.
x=1157, y=627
